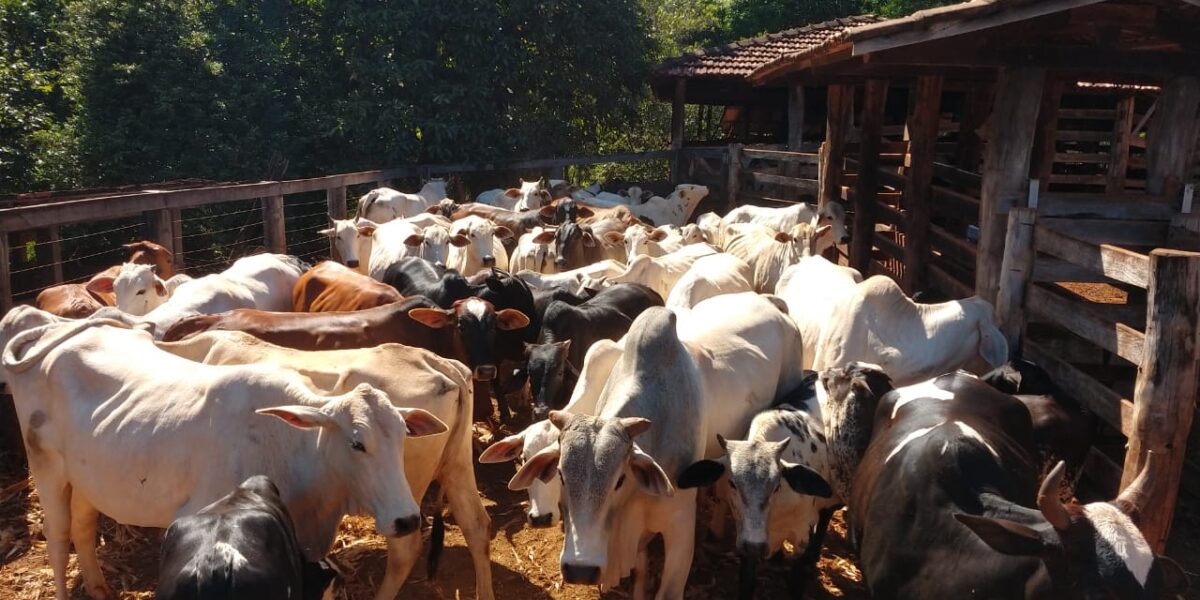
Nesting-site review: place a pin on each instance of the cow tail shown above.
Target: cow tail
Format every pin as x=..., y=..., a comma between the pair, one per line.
x=437, y=539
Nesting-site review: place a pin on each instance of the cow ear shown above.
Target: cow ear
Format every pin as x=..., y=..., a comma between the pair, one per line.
x=565, y=345
x=504, y=450
x=100, y=285
x=327, y=232
x=1004, y=536
x=615, y=237
x=649, y=475
x=589, y=240
x=783, y=236
x=560, y=418
x=366, y=230
x=657, y=235
x=635, y=426
x=510, y=319
x=460, y=240
x=413, y=240
x=805, y=480
x=544, y=237
x=160, y=288
x=539, y=466
x=433, y=209
x=1174, y=579
x=822, y=231
x=701, y=474
x=300, y=417
x=512, y=193
x=502, y=232
x=434, y=318
x=547, y=212
x=585, y=212
x=421, y=422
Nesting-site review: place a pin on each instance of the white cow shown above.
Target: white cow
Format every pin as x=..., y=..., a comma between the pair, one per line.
x=680, y=382
x=137, y=287
x=534, y=252
x=544, y=496
x=811, y=288
x=674, y=209
x=530, y=195
x=832, y=214
x=484, y=247
x=877, y=323
x=574, y=278
x=641, y=240
x=352, y=242
x=402, y=238
x=381, y=205
x=411, y=378
x=769, y=252
x=712, y=228
x=110, y=426
x=710, y=276
x=661, y=273
x=262, y=281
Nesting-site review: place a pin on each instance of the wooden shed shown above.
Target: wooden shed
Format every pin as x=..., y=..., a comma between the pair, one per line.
x=1044, y=157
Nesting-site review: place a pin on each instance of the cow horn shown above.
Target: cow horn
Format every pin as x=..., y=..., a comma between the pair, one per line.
x=1133, y=498
x=1052, y=508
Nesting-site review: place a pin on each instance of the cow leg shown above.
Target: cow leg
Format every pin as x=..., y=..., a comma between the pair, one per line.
x=56, y=527
x=483, y=400
x=679, y=538
x=641, y=569
x=84, y=517
x=805, y=565
x=402, y=555
x=473, y=520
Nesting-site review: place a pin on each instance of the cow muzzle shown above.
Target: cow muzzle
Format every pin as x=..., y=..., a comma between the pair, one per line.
x=580, y=574
x=485, y=372
x=560, y=261
x=845, y=239
x=541, y=521
x=489, y=261
x=407, y=525
x=753, y=550
x=353, y=264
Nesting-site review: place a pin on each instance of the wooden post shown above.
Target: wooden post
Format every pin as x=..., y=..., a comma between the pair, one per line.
x=733, y=181
x=56, y=254
x=177, y=237
x=274, y=232
x=1044, y=143
x=1118, y=159
x=6, y=295
x=837, y=122
x=1164, y=397
x=1006, y=168
x=335, y=207
x=923, y=132
x=1172, y=136
x=678, y=110
x=1016, y=274
x=866, y=188
x=160, y=227
x=975, y=115
x=795, y=133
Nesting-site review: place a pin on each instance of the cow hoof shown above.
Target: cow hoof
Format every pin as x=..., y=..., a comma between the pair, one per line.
x=99, y=592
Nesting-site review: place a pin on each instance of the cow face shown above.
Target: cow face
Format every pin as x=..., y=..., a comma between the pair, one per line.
x=534, y=194
x=639, y=240
x=804, y=239
x=362, y=441
x=476, y=322
x=547, y=367
x=149, y=253
x=433, y=244
x=543, y=495
x=692, y=234
x=710, y=225
x=852, y=395
x=137, y=288
x=833, y=214
x=600, y=466
x=1094, y=551
x=350, y=239
x=570, y=240
x=480, y=235
x=689, y=195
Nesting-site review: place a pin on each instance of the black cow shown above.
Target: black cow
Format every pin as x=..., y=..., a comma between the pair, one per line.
x=552, y=364
x=241, y=546
x=945, y=501
x=415, y=276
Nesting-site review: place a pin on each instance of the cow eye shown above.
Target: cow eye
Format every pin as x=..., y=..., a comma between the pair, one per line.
x=620, y=481
x=358, y=446
x=140, y=293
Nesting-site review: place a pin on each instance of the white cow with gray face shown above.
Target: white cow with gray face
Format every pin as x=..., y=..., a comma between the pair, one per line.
x=832, y=214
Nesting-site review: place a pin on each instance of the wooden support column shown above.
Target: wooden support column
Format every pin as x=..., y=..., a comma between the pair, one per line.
x=56, y=254
x=1016, y=275
x=678, y=110
x=795, y=134
x=866, y=187
x=159, y=227
x=335, y=207
x=1006, y=168
x=975, y=115
x=6, y=295
x=733, y=176
x=1172, y=137
x=1044, y=142
x=1164, y=397
x=274, y=232
x=1118, y=160
x=177, y=237
x=837, y=123
x=923, y=133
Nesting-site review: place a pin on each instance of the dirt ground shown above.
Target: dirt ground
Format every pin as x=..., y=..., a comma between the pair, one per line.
x=524, y=560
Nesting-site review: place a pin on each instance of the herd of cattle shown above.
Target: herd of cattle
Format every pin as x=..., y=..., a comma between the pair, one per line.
x=661, y=354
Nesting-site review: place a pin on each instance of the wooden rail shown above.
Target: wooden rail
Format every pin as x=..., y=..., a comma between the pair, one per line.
x=789, y=175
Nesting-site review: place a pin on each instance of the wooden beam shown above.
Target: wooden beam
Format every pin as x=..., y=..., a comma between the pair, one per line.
x=837, y=124
x=975, y=113
x=1118, y=161
x=1016, y=276
x=56, y=254
x=923, y=132
x=1110, y=261
x=1044, y=144
x=1118, y=338
x=1164, y=397
x=733, y=180
x=948, y=284
x=1096, y=397
x=795, y=116
x=335, y=208
x=161, y=228
x=1006, y=168
x=804, y=186
x=678, y=108
x=1172, y=137
x=1111, y=231
x=274, y=231
x=177, y=238
x=6, y=295
x=866, y=187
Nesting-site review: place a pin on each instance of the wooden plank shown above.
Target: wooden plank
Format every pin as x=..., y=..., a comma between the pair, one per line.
x=1050, y=269
x=804, y=186
x=953, y=246
x=795, y=116
x=923, y=133
x=889, y=247
x=968, y=180
x=1112, y=262
x=1016, y=276
x=678, y=108
x=1093, y=114
x=1118, y=166
x=961, y=205
x=1165, y=394
x=335, y=208
x=177, y=238
x=162, y=231
x=1172, y=136
x=947, y=283
x=1083, y=136
x=1041, y=162
x=274, y=231
x=733, y=180
x=976, y=109
x=1074, y=179
x=1006, y=167
x=6, y=296
x=840, y=99
x=804, y=158
x=1111, y=231
x=1096, y=397
x=866, y=186
x=1083, y=158
x=56, y=254
x=1076, y=317
x=888, y=214
x=1082, y=206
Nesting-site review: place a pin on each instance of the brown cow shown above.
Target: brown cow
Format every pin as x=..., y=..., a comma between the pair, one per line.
x=470, y=328
x=149, y=253
x=77, y=300
x=334, y=287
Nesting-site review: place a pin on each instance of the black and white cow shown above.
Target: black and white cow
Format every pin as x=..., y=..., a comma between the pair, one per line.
x=945, y=501
x=241, y=546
